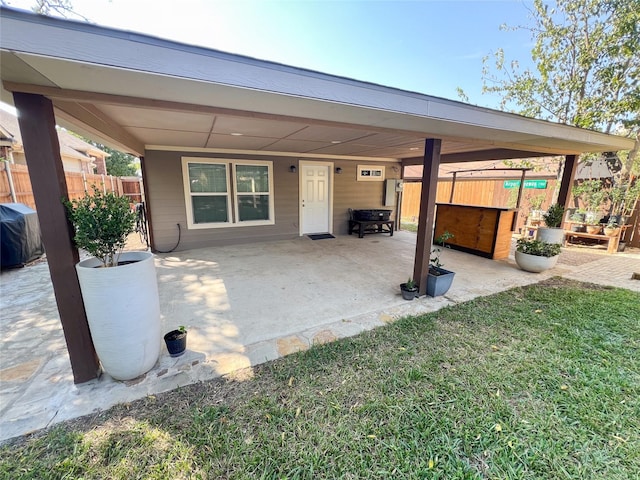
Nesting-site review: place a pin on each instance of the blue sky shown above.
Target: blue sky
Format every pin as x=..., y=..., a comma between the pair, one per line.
x=424, y=46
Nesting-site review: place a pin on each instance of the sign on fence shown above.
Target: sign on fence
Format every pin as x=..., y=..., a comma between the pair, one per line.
x=527, y=184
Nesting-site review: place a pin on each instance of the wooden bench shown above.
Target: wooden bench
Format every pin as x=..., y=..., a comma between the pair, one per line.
x=612, y=240
x=370, y=226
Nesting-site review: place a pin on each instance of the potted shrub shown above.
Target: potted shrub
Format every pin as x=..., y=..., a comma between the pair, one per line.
x=578, y=219
x=119, y=290
x=409, y=289
x=623, y=200
x=535, y=255
x=439, y=280
x=611, y=229
x=535, y=204
x=592, y=194
x=594, y=228
x=553, y=232
x=176, y=341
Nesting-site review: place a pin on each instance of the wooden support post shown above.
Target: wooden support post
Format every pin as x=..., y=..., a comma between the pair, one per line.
x=568, y=175
x=453, y=186
x=12, y=187
x=42, y=151
x=431, y=164
x=520, y=190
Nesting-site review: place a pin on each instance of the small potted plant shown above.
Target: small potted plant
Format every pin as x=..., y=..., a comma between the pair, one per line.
x=176, y=341
x=535, y=215
x=611, y=229
x=439, y=280
x=409, y=289
x=594, y=228
x=577, y=220
x=553, y=232
x=535, y=255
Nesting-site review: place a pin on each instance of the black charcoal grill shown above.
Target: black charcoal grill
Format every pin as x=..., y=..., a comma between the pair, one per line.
x=371, y=214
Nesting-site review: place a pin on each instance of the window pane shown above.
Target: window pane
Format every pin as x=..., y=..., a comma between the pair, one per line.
x=253, y=207
x=210, y=209
x=205, y=177
x=252, y=178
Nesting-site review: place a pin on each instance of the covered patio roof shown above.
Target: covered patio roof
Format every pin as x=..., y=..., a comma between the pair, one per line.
x=138, y=93
x=135, y=92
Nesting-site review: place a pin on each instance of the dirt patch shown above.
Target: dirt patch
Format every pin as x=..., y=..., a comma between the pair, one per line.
x=560, y=282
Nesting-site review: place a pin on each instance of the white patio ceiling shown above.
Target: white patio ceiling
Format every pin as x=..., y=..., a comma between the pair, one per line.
x=135, y=92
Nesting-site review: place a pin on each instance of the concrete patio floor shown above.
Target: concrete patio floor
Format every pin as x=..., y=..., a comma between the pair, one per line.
x=244, y=305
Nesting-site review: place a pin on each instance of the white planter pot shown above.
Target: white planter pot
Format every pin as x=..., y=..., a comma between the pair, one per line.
x=535, y=263
x=550, y=235
x=123, y=311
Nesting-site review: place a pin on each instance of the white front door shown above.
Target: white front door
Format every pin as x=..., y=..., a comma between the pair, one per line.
x=314, y=196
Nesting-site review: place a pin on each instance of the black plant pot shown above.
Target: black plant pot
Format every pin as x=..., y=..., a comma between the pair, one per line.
x=176, y=342
x=408, y=293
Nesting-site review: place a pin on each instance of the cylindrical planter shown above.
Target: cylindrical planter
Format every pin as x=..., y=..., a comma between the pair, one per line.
x=594, y=229
x=535, y=263
x=123, y=311
x=550, y=235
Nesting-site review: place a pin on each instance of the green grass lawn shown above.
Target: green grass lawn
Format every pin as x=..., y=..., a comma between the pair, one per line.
x=409, y=224
x=540, y=382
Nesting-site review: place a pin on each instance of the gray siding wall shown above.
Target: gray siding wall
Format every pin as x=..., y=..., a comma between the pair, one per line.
x=349, y=193
x=163, y=174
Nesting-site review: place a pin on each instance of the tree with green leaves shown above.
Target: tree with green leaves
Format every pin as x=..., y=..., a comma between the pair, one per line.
x=587, y=69
x=119, y=164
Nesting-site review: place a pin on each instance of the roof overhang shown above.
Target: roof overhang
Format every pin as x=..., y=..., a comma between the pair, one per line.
x=135, y=92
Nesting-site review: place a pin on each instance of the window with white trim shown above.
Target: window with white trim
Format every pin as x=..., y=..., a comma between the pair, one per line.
x=227, y=193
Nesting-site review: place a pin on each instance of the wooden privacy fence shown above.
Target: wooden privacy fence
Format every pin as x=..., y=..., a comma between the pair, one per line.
x=491, y=193
x=15, y=185
x=481, y=192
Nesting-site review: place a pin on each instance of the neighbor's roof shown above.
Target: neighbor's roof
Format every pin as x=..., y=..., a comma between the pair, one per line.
x=138, y=92
x=70, y=146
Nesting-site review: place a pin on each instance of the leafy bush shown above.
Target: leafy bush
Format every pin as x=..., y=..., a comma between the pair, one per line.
x=537, y=247
x=553, y=216
x=410, y=285
x=102, y=222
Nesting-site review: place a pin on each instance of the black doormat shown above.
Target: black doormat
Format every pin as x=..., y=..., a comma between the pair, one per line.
x=320, y=236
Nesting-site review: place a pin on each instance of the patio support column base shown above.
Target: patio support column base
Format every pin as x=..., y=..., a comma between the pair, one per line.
x=42, y=151
x=431, y=165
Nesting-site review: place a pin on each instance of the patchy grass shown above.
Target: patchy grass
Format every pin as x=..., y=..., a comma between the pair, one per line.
x=538, y=382
x=410, y=224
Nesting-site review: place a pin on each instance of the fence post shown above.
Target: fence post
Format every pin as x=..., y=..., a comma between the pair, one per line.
x=84, y=182
x=12, y=188
x=104, y=185
x=111, y=179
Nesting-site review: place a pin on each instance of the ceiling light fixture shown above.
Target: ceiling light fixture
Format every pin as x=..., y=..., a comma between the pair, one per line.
x=236, y=134
x=335, y=141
